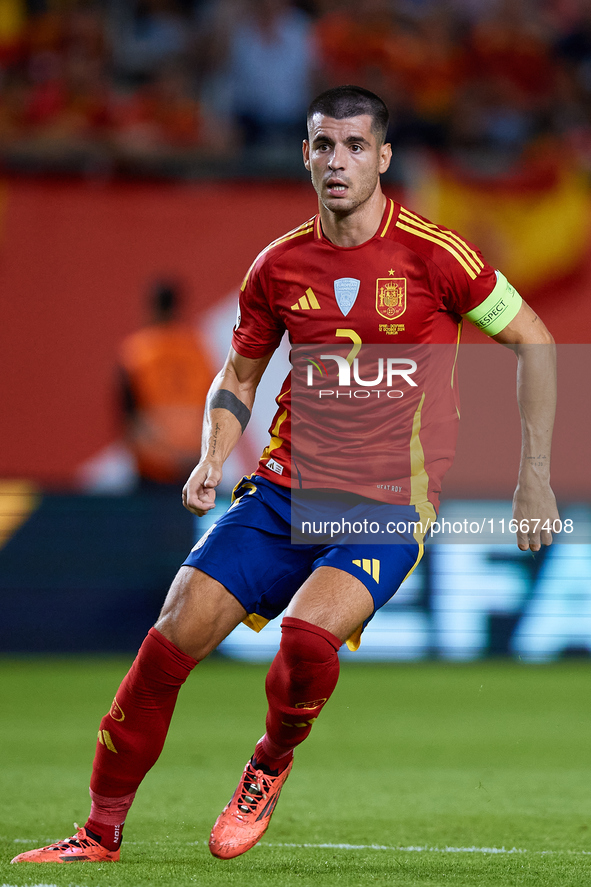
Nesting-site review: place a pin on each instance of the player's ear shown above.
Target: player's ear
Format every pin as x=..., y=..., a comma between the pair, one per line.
x=306, y=153
x=385, y=156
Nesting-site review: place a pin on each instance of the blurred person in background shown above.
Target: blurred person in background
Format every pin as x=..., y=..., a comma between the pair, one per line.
x=146, y=34
x=257, y=63
x=165, y=376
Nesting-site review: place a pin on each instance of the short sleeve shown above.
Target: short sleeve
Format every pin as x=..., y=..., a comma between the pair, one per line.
x=258, y=330
x=468, y=279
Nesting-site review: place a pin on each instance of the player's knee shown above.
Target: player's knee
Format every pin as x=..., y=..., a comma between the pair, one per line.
x=193, y=640
x=198, y=613
x=305, y=646
x=306, y=670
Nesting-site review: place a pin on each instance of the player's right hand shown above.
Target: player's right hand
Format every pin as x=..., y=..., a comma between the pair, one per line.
x=199, y=491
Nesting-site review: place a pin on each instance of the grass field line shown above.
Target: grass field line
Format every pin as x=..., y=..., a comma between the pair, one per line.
x=428, y=849
x=411, y=849
x=420, y=848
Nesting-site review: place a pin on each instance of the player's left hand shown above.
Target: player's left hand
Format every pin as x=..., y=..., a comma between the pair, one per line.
x=534, y=510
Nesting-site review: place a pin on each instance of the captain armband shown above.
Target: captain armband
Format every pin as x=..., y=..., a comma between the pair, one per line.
x=226, y=400
x=498, y=310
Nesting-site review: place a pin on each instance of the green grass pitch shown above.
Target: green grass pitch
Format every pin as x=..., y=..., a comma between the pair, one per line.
x=428, y=774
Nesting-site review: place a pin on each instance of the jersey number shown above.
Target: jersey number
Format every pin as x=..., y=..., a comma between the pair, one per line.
x=355, y=338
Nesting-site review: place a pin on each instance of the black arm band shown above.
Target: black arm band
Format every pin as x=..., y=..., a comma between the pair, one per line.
x=226, y=400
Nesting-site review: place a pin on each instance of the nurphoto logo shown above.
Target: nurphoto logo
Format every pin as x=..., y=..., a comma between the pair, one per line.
x=390, y=371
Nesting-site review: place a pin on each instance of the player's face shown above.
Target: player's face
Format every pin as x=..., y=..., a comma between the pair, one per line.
x=345, y=161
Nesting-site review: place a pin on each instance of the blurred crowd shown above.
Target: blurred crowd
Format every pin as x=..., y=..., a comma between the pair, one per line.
x=169, y=85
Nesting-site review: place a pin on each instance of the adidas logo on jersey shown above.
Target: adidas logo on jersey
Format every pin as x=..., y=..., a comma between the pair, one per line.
x=306, y=302
x=370, y=566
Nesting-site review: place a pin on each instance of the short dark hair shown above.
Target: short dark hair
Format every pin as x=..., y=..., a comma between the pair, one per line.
x=352, y=101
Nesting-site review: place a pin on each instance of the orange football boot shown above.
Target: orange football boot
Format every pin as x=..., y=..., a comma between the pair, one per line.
x=79, y=848
x=246, y=818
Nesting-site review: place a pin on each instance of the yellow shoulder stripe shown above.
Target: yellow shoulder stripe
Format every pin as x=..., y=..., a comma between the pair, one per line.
x=469, y=271
x=389, y=219
x=305, y=228
x=454, y=238
x=467, y=257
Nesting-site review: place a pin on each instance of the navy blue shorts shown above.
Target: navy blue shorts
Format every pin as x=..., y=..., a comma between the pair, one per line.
x=252, y=552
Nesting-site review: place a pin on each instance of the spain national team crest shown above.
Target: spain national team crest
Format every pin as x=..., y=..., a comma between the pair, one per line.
x=391, y=297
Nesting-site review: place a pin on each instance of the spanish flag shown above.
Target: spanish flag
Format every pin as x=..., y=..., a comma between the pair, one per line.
x=535, y=224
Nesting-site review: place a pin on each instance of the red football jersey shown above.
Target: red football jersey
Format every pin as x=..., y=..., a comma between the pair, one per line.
x=404, y=290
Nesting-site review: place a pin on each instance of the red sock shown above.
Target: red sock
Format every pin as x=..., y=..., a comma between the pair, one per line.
x=107, y=817
x=132, y=734
x=299, y=683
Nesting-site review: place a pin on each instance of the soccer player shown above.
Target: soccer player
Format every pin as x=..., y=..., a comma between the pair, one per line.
x=363, y=270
